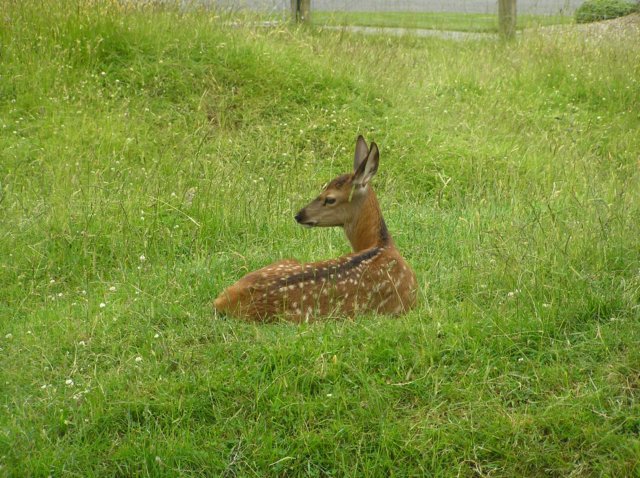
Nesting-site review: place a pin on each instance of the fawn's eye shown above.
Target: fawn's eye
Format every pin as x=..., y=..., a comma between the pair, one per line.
x=329, y=201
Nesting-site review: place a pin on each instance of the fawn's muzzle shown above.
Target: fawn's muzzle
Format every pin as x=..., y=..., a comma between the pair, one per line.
x=301, y=218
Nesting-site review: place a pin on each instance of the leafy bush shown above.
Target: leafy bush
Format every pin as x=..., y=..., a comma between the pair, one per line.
x=596, y=10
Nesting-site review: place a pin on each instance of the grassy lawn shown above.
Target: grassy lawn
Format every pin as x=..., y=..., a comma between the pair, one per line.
x=466, y=22
x=149, y=158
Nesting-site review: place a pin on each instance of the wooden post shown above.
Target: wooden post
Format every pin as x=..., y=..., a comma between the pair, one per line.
x=301, y=10
x=305, y=11
x=507, y=18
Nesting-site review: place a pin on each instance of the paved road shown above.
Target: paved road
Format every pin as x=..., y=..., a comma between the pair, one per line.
x=543, y=7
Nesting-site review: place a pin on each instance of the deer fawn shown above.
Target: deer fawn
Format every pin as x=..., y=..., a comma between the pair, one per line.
x=374, y=278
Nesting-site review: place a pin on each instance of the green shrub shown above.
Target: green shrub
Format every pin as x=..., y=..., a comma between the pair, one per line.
x=596, y=10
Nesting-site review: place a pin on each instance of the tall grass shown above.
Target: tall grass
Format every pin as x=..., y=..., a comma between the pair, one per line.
x=150, y=157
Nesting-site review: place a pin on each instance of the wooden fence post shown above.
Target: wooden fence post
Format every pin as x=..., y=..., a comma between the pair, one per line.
x=301, y=10
x=507, y=18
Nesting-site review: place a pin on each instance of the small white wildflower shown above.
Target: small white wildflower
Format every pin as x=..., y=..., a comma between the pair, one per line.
x=546, y=306
x=138, y=359
x=112, y=288
x=69, y=382
x=520, y=359
x=8, y=336
x=142, y=258
x=156, y=336
x=43, y=387
x=82, y=343
x=52, y=281
x=103, y=73
x=59, y=294
x=102, y=305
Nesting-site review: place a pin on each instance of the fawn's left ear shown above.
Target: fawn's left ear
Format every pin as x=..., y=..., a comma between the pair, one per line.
x=367, y=168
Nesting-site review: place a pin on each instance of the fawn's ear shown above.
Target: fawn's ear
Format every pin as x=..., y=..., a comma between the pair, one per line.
x=361, y=153
x=367, y=168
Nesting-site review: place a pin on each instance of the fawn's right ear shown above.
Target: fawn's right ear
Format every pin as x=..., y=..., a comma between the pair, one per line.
x=362, y=151
x=368, y=168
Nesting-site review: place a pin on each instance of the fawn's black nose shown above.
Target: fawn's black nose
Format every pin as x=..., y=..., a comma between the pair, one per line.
x=299, y=217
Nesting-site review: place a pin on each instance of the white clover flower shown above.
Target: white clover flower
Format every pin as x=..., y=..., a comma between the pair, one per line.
x=102, y=305
x=69, y=382
x=138, y=359
x=112, y=288
x=142, y=258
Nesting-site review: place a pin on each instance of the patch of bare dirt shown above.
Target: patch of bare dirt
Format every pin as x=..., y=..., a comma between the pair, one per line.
x=628, y=25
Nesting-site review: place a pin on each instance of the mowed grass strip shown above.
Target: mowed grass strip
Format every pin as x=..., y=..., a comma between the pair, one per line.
x=150, y=157
x=464, y=22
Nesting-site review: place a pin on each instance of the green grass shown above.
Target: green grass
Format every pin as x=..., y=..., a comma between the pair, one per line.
x=466, y=22
x=149, y=158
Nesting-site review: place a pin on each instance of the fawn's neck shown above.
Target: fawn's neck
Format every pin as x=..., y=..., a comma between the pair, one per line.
x=367, y=229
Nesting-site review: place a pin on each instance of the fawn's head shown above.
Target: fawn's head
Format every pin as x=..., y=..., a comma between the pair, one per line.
x=341, y=199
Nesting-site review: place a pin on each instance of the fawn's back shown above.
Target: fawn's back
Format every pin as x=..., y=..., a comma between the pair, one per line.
x=374, y=278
